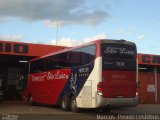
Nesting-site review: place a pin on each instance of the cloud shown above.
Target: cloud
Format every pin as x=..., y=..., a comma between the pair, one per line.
x=2, y=20
x=157, y=23
x=96, y=37
x=124, y=32
x=72, y=42
x=65, y=42
x=141, y=37
x=62, y=41
x=18, y=38
x=69, y=11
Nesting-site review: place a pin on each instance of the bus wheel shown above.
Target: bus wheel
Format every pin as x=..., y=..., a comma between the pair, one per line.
x=64, y=103
x=30, y=100
x=73, y=104
x=106, y=110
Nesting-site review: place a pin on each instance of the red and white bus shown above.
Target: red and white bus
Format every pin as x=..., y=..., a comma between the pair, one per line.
x=100, y=74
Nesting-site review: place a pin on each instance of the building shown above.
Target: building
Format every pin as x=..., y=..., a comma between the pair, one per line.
x=14, y=57
x=149, y=78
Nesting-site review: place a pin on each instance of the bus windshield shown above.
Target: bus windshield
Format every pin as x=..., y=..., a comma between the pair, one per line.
x=118, y=56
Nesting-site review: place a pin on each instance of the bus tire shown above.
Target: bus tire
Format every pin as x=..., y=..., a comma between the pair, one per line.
x=106, y=110
x=64, y=103
x=73, y=104
x=30, y=100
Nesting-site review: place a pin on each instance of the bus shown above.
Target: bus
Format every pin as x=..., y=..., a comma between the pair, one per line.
x=100, y=74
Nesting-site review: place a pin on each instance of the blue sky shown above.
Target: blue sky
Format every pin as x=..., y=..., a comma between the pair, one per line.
x=81, y=21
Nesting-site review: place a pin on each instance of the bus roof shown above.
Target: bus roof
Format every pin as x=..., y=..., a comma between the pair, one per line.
x=92, y=42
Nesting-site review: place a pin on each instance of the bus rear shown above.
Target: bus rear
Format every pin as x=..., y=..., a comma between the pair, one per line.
x=119, y=66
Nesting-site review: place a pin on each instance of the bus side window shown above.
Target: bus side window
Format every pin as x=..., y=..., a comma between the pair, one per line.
x=37, y=66
x=74, y=58
x=70, y=59
x=51, y=63
x=33, y=67
x=87, y=54
x=77, y=57
x=84, y=58
x=63, y=59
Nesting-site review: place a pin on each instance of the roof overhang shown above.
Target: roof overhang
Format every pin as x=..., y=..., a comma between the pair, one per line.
x=149, y=59
x=27, y=49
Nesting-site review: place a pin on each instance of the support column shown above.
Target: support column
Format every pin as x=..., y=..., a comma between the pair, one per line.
x=156, y=90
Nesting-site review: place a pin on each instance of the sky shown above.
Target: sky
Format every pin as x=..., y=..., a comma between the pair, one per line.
x=75, y=22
